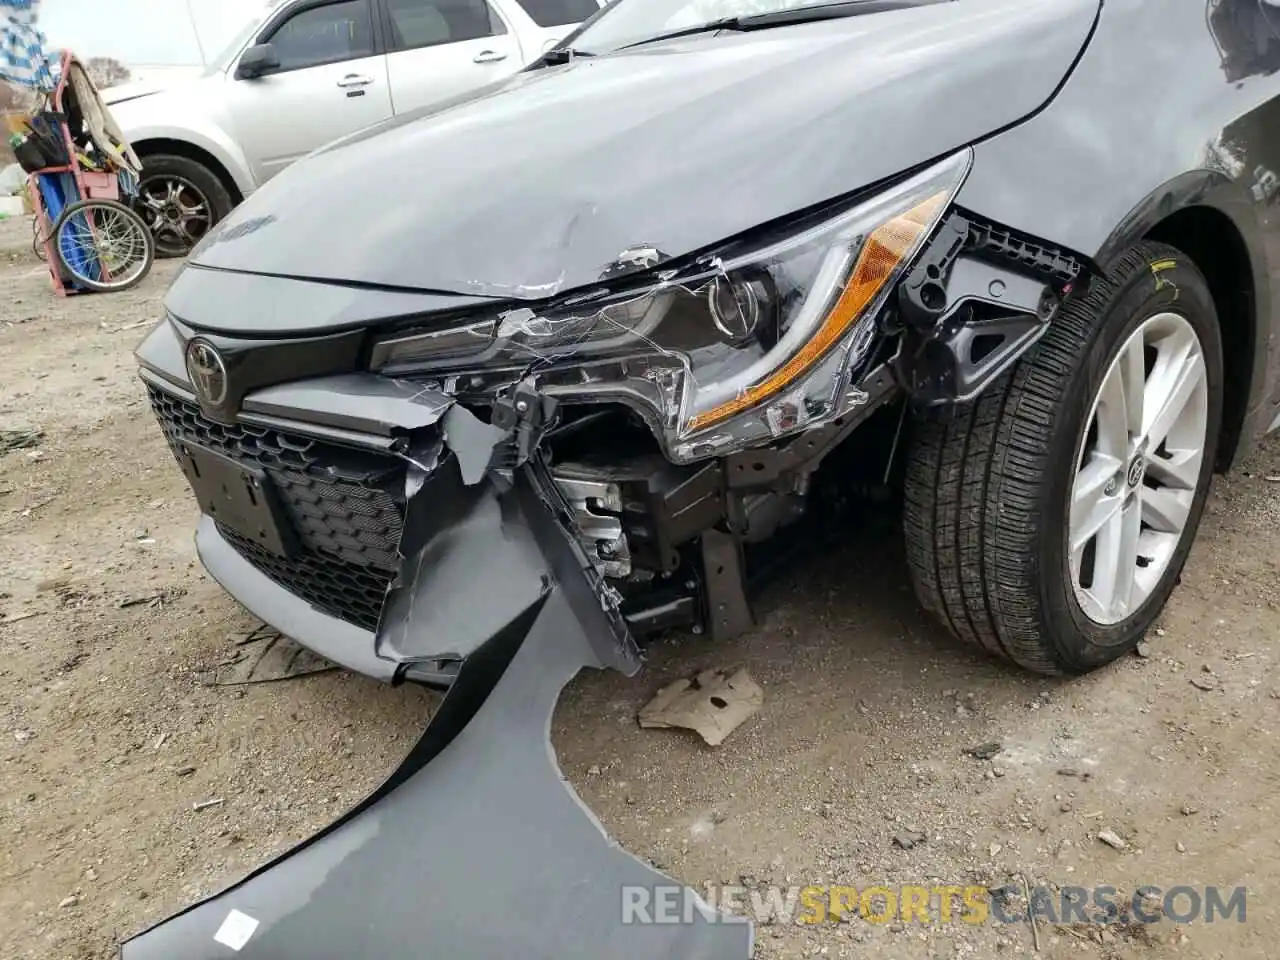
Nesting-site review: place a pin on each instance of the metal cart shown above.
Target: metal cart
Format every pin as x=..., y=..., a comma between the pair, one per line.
x=91, y=241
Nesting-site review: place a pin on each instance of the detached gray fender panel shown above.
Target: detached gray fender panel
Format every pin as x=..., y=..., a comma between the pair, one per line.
x=475, y=847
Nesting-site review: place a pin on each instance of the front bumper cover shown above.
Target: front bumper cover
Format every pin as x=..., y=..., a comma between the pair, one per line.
x=475, y=846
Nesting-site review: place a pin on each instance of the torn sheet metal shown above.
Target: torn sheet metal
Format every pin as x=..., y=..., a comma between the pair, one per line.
x=714, y=704
x=469, y=568
x=475, y=847
x=472, y=442
x=471, y=560
x=478, y=557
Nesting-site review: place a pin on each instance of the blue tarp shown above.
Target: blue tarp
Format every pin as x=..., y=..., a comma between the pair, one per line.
x=23, y=57
x=58, y=191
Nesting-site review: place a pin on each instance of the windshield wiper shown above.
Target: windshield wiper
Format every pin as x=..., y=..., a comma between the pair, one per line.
x=782, y=18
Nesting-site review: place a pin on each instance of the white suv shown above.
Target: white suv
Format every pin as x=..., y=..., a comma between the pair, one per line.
x=306, y=73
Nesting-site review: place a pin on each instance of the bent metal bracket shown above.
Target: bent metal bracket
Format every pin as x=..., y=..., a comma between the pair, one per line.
x=475, y=846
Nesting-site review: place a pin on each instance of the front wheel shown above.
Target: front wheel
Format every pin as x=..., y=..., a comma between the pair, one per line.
x=103, y=245
x=180, y=199
x=1049, y=521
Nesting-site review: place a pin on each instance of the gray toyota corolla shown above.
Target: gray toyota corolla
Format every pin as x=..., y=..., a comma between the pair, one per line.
x=477, y=398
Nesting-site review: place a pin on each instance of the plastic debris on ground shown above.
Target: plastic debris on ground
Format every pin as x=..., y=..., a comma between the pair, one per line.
x=713, y=704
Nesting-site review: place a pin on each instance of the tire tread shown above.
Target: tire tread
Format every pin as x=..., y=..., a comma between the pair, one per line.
x=975, y=482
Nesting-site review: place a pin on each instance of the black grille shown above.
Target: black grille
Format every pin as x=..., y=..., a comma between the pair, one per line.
x=346, y=506
x=346, y=590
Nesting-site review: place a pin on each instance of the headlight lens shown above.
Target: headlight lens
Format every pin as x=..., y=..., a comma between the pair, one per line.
x=746, y=346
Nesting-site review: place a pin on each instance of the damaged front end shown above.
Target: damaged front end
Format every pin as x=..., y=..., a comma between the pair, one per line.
x=474, y=847
x=686, y=403
x=490, y=496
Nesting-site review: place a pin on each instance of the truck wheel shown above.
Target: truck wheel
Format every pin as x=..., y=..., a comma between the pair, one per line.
x=180, y=199
x=1049, y=520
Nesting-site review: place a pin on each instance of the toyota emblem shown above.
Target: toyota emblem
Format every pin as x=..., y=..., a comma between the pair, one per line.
x=1136, y=469
x=207, y=371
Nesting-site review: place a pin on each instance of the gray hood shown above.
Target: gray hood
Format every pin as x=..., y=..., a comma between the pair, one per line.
x=539, y=184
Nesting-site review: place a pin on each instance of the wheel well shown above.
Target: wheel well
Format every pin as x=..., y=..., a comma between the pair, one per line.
x=1212, y=241
x=181, y=148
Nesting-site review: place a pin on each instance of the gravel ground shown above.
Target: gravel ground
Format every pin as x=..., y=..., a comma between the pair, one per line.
x=108, y=735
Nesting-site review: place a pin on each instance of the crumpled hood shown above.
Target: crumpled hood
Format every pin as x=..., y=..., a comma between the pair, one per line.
x=539, y=184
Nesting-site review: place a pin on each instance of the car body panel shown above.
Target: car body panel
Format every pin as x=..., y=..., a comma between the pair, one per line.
x=254, y=305
x=1181, y=127
x=192, y=114
x=319, y=103
x=429, y=74
x=256, y=127
x=420, y=78
x=568, y=167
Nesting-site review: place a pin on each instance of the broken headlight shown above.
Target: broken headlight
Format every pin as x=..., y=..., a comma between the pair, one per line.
x=742, y=346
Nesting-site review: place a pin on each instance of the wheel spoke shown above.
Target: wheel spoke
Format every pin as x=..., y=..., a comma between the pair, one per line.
x=1156, y=550
x=1165, y=510
x=196, y=209
x=1133, y=375
x=1179, y=470
x=1179, y=369
x=1091, y=505
x=1112, y=415
x=1116, y=561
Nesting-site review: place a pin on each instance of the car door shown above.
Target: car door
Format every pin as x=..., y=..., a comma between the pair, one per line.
x=331, y=81
x=437, y=49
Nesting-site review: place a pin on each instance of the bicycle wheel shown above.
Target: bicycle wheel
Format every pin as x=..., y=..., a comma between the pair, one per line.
x=103, y=245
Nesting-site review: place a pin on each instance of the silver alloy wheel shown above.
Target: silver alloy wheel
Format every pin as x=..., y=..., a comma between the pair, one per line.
x=175, y=211
x=1137, y=468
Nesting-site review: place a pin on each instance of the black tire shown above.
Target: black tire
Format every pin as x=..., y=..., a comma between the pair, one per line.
x=165, y=168
x=38, y=237
x=69, y=216
x=988, y=487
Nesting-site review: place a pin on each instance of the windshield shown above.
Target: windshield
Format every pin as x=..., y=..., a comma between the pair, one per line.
x=629, y=22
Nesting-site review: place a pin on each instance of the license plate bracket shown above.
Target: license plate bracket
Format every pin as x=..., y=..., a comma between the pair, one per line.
x=241, y=498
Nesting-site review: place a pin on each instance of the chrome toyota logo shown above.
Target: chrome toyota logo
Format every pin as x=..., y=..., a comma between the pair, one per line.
x=1136, y=469
x=207, y=371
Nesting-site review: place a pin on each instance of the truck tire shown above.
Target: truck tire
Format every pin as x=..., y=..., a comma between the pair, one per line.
x=180, y=200
x=1001, y=494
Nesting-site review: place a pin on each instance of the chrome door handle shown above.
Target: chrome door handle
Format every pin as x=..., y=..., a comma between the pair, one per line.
x=354, y=80
x=488, y=56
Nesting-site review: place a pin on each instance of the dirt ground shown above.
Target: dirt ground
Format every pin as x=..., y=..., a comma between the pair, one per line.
x=108, y=735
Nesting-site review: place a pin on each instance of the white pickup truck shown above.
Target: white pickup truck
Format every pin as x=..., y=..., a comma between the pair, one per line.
x=308, y=72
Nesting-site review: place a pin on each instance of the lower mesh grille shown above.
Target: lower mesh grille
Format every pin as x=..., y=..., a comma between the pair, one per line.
x=345, y=590
x=346, y=506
